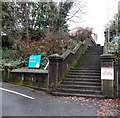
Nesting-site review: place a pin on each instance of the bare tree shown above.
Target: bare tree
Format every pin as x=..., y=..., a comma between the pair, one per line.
x=76, y=12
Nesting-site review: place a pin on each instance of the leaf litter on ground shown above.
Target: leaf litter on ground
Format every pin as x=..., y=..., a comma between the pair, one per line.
x=106, y=107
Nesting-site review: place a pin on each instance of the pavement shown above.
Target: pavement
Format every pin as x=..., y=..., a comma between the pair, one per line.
x=23, y=101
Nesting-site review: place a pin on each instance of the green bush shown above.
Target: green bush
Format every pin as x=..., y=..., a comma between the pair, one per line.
x=10, y=57
x=7, y=53
x=44, y=60
x=6, y=42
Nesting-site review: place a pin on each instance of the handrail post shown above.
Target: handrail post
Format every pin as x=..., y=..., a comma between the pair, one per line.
x=54, y=72
x=107, y=75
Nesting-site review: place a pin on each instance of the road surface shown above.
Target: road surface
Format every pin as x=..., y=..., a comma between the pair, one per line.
x=23, y=101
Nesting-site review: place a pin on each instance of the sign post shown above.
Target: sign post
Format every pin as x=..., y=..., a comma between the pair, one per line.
x=107, y=75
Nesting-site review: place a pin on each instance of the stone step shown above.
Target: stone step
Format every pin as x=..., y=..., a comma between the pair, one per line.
x=77, y=95
x=97, y=53
x=83, y=76
x=81, y=91
x=94, y=50
x=87, y=69
x=91, y=66
x=94, y=65
x=82, y=83
x=90, y=87
x=82, y=79
x=94, y=54
x=84, y=73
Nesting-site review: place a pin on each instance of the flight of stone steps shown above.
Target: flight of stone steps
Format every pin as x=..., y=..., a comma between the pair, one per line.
x=85, y=79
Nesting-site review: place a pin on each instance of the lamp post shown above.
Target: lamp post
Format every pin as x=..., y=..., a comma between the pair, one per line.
x=108, y=40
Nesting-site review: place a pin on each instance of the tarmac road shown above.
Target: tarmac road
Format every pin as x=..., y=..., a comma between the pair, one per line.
x=23, y=101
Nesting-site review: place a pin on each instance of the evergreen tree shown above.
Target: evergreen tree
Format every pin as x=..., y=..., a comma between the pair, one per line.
x=34, y=20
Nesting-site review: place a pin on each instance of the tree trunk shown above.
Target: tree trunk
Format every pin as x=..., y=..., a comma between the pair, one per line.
x=26, y=24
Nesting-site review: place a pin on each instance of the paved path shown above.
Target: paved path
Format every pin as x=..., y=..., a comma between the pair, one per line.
x=42, y=104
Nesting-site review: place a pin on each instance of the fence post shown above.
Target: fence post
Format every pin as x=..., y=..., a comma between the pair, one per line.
x=107, y=75
x=117, y=79
x=54, y=71
x=6, y=73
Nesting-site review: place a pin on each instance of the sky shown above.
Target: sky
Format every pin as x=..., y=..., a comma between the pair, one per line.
x=98, y=14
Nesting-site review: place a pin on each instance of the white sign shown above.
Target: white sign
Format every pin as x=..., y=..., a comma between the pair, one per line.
x=107, y=73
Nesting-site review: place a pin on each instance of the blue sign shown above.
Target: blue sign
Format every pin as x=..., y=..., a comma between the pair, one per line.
x=34, y=61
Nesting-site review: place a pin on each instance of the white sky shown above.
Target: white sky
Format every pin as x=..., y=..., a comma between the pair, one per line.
x=98, y=14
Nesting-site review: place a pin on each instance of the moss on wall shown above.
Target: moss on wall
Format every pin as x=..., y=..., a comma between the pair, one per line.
x=75, y=62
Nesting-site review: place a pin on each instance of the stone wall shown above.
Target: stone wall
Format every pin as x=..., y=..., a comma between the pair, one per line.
x=117, y=79
x=59, y=65
x=28, y=77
